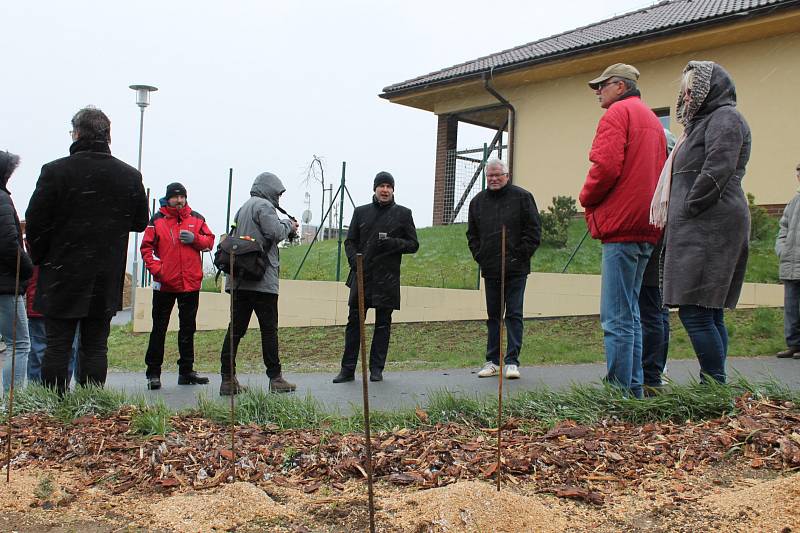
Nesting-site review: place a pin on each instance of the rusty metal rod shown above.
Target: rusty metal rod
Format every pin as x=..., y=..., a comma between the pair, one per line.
x=13, y=365
x=365, y=385
x=499, y=468
x=234, y=382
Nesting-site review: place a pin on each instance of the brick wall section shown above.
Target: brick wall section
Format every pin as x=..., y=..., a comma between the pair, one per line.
x=446, y=137
x=774, y=210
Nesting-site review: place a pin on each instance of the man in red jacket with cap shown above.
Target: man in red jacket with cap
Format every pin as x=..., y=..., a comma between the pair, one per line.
x=171, y=248
x=628, y=152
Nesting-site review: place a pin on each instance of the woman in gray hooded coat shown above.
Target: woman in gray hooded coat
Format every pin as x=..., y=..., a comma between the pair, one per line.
x=708, y=221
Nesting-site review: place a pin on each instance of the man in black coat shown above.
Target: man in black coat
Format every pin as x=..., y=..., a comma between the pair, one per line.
x=503, y=204
x=12, y=304
x=78, y=222
x=383, y=231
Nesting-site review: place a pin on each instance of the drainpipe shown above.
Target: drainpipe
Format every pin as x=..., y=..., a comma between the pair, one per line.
x=511, y=123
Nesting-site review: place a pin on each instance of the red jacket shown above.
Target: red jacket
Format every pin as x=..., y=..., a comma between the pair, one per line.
x=628, y=152
x=177, y=266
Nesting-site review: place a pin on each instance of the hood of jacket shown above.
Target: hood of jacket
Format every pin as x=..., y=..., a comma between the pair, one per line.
x=8, y=163
x=711, y=88
x=267, y=186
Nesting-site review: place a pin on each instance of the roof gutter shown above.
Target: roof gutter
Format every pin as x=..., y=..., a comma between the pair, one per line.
x=665, y=32
x=511, y=122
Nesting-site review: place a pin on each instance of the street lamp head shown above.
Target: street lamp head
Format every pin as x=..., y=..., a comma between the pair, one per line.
x=143, y=94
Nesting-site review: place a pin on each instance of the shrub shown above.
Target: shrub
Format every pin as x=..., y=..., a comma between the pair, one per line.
x=760, y=221
x=555, y=221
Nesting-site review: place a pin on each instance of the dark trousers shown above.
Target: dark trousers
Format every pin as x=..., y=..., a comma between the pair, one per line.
x=791, y=312
x=380, y=340
x=92, y=357
x=514, y=298
x=706, y=329
x=265, y=306
x=655, y=335
x=163, y=302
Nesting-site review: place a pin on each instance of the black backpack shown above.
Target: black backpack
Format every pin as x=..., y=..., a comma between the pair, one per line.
x=250, y=262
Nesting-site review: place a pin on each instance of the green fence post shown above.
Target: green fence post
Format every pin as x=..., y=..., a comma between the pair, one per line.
x=341, y=217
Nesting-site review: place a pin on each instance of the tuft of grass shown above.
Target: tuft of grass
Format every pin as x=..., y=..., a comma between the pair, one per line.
x=45, y=487
x=152, y=420
x=90, y=400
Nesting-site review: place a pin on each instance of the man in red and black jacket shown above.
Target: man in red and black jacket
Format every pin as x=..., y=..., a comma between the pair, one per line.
x=628, y=152
x=171, y=248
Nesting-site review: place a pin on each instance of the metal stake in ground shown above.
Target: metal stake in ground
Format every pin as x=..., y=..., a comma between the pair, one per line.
x=499, y=467
x=13, y=366
x=365, y=386
x=232, y=375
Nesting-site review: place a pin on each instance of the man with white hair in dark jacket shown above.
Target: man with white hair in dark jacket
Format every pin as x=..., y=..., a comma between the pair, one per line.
x=258, y=219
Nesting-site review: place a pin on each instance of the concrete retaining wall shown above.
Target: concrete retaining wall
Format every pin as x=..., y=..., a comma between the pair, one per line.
x=324, y=303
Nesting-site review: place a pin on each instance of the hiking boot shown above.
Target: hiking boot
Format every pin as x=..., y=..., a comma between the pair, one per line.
x=344, y=376
x=230, y=386
x=153, y=383
x=192, y=378
x=788, y=353
x=512, y=372
x=376, y=375
x=278, y=384
x=489, y=369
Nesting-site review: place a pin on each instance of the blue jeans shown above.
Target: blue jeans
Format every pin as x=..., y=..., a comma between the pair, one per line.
x=514, y=297
x=791, y=312
x=38, y=335
x=655, y=335
x=23, y=344
x=622, y=268
x=706, y=329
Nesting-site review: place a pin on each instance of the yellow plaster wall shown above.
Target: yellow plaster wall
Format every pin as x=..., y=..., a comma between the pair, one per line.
x=324, y=303
x=556, y=118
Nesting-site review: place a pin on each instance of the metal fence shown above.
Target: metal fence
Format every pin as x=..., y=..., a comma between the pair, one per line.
x=465, y=178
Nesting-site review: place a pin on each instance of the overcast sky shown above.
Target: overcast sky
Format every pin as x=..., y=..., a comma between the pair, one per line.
x=253, y=85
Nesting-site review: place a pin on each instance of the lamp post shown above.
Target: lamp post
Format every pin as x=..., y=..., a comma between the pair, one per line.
x=142, y=100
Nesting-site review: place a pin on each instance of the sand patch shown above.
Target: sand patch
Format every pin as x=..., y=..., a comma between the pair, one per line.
x=229, y=507
x=471, y=506
x=768, y=506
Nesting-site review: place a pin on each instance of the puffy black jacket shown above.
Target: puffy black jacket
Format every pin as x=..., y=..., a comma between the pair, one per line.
x=488, y=211
x=381, y=259
x=11, y=237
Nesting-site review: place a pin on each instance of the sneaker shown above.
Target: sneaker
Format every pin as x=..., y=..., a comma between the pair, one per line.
x=788, y=353
x=192, y=378
x=230, y=386
x=278, y=384
x=344, y=376
x=153, y=383
x=489, y=369
x=512, y=372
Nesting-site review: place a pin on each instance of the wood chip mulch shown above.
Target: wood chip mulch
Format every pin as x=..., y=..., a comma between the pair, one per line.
x=571, y=460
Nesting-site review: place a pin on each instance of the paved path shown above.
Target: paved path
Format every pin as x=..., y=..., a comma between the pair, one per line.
x=401, y=390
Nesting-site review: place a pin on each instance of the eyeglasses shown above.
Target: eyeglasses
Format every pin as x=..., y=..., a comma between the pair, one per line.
x=606, y=83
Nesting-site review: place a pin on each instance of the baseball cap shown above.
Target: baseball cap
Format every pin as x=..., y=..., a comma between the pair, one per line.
x=617, y=70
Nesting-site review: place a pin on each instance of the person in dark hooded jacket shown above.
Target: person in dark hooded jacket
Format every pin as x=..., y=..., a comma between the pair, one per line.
x=700, y=200
x=383, y=231
x=11, y=303
x=78, y=222
x=258, y=219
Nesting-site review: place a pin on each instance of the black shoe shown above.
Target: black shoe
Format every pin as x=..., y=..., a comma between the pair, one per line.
x=192, y=378
x=153, y=383
x=344, y=376
x=376, y=375
x=788, y=353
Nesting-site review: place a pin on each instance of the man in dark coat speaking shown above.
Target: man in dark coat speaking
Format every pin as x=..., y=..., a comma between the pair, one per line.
x=78, y=222
x=383, y=231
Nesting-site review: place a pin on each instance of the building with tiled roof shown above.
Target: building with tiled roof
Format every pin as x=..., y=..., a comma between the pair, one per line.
x=536, y=100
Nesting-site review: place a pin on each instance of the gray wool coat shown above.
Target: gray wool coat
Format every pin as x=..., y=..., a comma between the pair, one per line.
x=258, y=218
x=787, y=245
x=708, y=223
